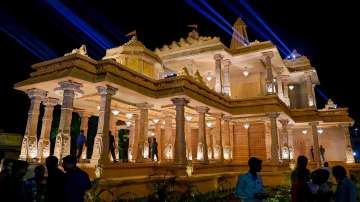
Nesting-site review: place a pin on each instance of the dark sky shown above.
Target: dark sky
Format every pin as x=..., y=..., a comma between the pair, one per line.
x=326, y=32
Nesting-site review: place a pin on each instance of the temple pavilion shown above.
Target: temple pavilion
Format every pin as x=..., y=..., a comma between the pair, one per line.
x=206, y=104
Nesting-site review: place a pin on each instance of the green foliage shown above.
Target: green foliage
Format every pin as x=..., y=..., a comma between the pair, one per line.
x=278, y=194
x=94, y=194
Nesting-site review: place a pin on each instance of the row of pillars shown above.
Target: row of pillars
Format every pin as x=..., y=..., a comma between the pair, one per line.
x=31, y=148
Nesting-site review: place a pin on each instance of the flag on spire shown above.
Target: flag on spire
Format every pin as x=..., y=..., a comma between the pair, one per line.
x=132, y=33
x=195, y=26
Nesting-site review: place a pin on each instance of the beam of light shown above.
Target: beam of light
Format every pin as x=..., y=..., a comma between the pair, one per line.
x=321, y=93
x=263, y=23
x=25, y=38
x=213, y=11
x=76, y=21
x=251, y=23
x=211, y=18
x=106, y=24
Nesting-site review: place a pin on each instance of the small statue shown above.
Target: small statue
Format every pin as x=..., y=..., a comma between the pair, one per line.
x=330, y=105
x=82, y=51
x=184, y=72
x=198, y=77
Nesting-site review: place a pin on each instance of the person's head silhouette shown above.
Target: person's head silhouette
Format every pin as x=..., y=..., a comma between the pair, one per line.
x=52, y=162
x=302, y=162
x=339, y=172
x=69, y=163
x=254, y=165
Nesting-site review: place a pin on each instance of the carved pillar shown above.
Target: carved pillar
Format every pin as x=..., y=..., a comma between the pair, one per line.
x=202, y=151
x=84, y=124
x=285, y=81
x=226, y=138
x=180, y=144
x=270, y=85
x=309, y=89
x=316, y=142
x=218, y=137
x=133, y=137
x=189, y=152
x=62, y=144
x=226, y=88
x=101, y=143
x=168, y=151
x=274, y=137
x=115, y=133
x=159, y=140
x=218, y=79
x=231, y=131
x=347, y=140
x=143, y=131
x=29, y=142
x=284, y=143
x=44, y=141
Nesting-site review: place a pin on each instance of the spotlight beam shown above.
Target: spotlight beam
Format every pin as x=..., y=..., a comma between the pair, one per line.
x=212, y=10
x=252, y=24
x=211, y=18
x=77, y=22
x=24, y=38
x=263, y=23
x=321, y=93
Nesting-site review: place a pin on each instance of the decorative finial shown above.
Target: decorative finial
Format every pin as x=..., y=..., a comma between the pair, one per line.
x=330, y=105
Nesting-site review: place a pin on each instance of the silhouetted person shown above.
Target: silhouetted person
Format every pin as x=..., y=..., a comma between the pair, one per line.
x=312, y=153
x=249, y=187
x=345, y=190
x=36, y=186
x=154, y=150
x=319, y=189
x=112, y=146
x=299, y=179
x=322, y=153
x=14, y=190
x=55, y=180
x=5, y=171
x=77, y=181
x=80, y=143
x=327, y=168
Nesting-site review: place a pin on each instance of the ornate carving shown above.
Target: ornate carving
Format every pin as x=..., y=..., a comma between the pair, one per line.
x=199, y=78
x=82, y=51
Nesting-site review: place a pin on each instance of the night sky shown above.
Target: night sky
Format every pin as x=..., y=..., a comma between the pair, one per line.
x=33, y=31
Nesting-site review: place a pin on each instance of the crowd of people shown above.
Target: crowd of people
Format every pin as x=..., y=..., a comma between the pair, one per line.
x=306, y=186
x=58, y=185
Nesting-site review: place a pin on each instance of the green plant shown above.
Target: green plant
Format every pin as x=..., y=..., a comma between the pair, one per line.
x=94, y=194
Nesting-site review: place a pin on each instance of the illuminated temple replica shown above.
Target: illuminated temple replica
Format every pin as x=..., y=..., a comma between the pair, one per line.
x=210, y=107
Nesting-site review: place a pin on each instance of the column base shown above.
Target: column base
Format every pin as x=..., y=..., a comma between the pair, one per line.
x=43, y=149
x=24, y=149
x=62, y=145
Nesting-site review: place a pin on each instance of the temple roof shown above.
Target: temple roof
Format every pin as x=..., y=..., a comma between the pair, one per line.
x=193, y=40
x=132, y=47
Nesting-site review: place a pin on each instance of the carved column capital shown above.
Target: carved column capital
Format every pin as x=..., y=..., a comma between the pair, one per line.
x=284, y=122
x=202, y=109
x=227, y=63
x=106, y=90
x=273, y=114
x=218, y=57
x=50, y=101
x=179, y=101
x=314, y=123
x=36, y=93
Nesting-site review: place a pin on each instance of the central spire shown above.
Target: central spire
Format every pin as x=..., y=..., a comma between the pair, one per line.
x=239, y=37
